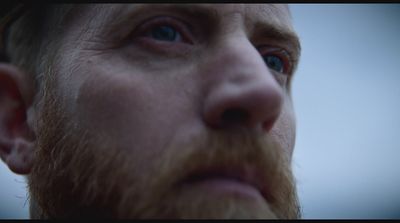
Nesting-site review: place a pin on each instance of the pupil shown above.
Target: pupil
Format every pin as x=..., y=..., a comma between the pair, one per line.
x=274, y=63
x=165, y=33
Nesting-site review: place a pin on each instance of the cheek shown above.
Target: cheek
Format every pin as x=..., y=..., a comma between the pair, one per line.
x=118, y=109
x=284, y=129
x=134, y=111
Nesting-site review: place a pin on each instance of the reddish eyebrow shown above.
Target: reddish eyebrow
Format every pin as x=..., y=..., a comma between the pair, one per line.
x=190, y=10
x=209, y=15
x=125, y=16
x=269, y=30
x=282, y=35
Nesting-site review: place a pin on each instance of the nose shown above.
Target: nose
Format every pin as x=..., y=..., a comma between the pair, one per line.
x=243, y=92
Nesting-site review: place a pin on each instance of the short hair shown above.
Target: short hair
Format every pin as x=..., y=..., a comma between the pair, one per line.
x=30, y=36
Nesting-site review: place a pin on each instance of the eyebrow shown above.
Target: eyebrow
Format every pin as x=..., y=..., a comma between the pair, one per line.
x=188, y=9
x=194, y=10
x=200, y=12
x=281, y=35
x=206, y=14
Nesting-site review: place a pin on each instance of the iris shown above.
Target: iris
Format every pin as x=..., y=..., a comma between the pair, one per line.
x=165, y=33
x=274, y=63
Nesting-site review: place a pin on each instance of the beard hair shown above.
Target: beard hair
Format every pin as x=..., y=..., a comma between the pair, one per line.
x=76, y=176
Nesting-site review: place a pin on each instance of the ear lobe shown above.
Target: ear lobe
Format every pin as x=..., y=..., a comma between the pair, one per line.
x=20, y=158
x=16, y=138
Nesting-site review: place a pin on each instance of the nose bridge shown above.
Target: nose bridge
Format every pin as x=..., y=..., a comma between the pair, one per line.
x=243, y=90
x=241, y=58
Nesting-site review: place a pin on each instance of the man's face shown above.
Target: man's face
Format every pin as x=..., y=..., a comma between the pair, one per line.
x=169, y=111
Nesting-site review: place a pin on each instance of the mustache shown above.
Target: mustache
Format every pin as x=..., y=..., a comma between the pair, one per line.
x=103, y=178
x=240, y=147
x=179, y=159
x=235, y=149
x=84, y=176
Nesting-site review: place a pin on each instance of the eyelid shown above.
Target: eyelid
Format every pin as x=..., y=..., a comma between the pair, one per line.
x=281, y=53
x=182, y=27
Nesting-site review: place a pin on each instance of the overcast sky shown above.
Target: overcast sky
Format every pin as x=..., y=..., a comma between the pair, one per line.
x=346, y=95
x=347, y=99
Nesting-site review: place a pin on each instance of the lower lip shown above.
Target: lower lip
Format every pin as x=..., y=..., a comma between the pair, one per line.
x=226, y=186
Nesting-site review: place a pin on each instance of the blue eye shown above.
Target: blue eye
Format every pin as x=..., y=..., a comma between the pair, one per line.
x=274, y=63
x=165, y=33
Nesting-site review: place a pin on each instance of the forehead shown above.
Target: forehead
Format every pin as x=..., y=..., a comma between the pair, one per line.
x=270, y=22
x=269, y=19
x=272, y=14
x=276, y=12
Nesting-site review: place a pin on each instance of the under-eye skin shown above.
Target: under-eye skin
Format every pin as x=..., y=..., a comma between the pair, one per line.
x=163, y=32
x=279, y=62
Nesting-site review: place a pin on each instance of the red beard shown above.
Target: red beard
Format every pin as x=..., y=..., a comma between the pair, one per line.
x=75, y=176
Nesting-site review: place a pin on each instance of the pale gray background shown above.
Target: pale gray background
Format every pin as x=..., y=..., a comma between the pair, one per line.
x=346, y=95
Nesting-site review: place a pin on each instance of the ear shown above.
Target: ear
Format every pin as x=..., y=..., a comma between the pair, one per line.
x=16, y=137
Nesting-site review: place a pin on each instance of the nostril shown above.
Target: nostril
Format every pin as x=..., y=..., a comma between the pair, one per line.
x=234, y=116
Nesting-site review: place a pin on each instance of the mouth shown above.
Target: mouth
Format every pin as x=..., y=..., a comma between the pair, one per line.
x=230, y=181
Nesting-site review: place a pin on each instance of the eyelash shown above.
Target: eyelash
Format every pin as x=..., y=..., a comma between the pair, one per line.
x=180, y=26
x=185, y=31
x=280, y=53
